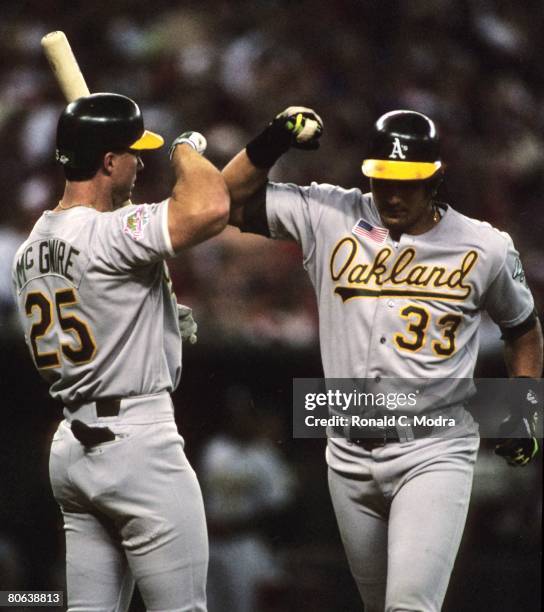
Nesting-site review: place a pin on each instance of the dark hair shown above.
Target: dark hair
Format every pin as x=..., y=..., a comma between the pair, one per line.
x=79, y=174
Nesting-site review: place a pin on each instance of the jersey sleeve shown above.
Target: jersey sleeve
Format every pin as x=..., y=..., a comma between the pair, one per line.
x=293, y=213
x=134, y=236
x=508, y=299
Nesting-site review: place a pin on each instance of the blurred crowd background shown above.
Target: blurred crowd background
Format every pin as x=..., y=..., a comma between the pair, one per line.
x=225, y=68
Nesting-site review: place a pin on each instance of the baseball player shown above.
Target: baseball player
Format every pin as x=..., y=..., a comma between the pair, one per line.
x=101, y=322
x=401, y=280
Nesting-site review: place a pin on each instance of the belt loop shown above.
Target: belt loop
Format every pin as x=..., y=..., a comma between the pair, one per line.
x=405, y=432
x=107, y=407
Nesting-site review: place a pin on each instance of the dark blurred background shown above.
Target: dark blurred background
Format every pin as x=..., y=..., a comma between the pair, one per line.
x=226, y=68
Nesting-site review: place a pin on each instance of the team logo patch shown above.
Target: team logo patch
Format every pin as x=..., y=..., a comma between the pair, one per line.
x=366, y=230
x=134, y=222
x=518, y=273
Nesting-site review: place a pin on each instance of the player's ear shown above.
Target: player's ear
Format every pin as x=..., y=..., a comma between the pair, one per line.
x=435, y=182
x=108, y=162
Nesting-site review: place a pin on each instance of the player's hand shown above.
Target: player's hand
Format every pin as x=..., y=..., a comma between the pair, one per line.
x=296, y=126
x=187, y=325
x=303, y=125
x=194, y=139
x=520, y=444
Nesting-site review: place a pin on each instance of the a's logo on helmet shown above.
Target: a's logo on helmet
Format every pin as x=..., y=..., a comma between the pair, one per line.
x=61, y=158
x=397, y=153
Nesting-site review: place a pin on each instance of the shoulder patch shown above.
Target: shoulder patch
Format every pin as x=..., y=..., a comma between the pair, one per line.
x=518, y=273
x=134, y=222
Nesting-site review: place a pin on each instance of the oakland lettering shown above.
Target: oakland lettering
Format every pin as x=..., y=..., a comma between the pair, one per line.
x=389, y=270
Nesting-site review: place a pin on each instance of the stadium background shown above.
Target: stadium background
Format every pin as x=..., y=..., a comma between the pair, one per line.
x=225, y=67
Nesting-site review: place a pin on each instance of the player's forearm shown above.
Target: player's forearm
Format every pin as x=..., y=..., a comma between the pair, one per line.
x=245, y=183
x=246, y=175
x=523, y=355
x=199, y=205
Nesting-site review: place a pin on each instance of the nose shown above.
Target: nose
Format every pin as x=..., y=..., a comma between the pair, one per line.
x=394, y=198
x=389, y=191
x=140, y=164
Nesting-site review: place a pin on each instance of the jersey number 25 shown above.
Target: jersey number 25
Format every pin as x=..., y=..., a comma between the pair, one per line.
x=79, y=353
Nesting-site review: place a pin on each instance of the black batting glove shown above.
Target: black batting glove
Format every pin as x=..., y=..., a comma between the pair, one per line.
x=296, y=126
x=520, y=444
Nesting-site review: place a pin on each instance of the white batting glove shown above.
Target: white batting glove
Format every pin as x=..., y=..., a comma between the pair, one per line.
x=304, y=124
x=187, y=325
x=194, y=139
x=297, y=126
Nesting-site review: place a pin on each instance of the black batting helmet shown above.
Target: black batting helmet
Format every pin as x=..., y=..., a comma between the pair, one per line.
x=92, y=125
x=404, y=147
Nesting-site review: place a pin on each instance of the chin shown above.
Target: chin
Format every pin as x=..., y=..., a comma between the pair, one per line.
x=394, y=223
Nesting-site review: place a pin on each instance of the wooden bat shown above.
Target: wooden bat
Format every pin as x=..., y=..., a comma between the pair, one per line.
x=64, y=65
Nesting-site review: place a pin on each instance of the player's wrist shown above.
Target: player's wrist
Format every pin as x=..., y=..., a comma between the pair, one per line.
x=266, y=148
x=194, y=139
x=530, y=392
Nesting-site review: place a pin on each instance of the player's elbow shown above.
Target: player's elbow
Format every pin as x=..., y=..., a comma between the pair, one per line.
x=236, y=217
x=218, y=206
x=219, y=211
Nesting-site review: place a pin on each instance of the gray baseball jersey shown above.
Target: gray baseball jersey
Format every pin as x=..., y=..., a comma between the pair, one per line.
x=406, y=309
x=96, y=302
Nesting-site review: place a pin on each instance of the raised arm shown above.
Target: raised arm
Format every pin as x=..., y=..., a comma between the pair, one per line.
x=246, y=174
x=246, y=184
x=199, y=204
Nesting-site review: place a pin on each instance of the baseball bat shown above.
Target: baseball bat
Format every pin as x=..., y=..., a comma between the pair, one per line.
x=64, y=65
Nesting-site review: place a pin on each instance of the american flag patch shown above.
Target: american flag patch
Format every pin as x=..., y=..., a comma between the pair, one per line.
x=364, y=229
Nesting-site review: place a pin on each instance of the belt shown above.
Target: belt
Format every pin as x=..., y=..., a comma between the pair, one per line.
x=104, y=407
x=91, y=436
x=370, y=438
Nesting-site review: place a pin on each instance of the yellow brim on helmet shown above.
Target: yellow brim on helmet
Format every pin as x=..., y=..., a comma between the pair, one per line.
x=399, y=170
x=148, y=140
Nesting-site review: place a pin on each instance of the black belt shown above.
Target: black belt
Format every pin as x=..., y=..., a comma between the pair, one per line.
x=104, y=407
x=91, y=436
x=370, y=438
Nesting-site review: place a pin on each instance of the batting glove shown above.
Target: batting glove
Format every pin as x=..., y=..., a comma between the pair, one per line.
x=194, y=139
x=521, y=442
x=187, y=325
x=296, y=126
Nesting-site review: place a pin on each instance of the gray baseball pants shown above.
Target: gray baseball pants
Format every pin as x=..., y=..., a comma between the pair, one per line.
x=133, y=512
x=401, y=518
